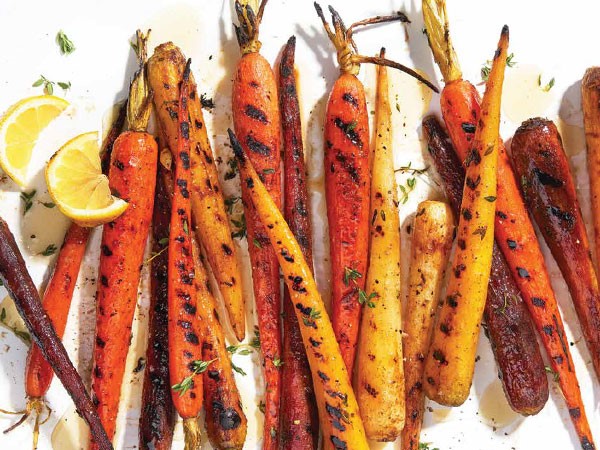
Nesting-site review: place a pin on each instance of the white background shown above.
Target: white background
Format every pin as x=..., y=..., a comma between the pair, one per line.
x=552, y=38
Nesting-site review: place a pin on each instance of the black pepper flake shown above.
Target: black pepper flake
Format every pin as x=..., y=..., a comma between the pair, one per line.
x=523, y=273
x=511, y=244
x=468, y=127
x=466, y=213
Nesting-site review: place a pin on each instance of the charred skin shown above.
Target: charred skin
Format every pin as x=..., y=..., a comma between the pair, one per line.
x=340, y=422
x=257, y=124
x=509, y=326
x=18, y=283
x=184, y=331
x=542, y=166
x=517, y=240
x=225, y=421
x=210, y=221
x=347, y=185
x=299, y=419
x=133, y=164
x=158, y=416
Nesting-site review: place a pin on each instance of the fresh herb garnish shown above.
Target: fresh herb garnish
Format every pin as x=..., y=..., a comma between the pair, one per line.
x=411, y=170
x=547, y=86
x=425, y=446
x=277, y=362
x=238, y=369
x=555, y=375
x=48, y=205
x=351, y=275
x=50, y=250
x=49, y=85
x=365, y=299
x=187, y=383
x=64, y=43
x=27, y=198
x=487, y=67
x=240, y=225
x=23, y=335
x=406, y=190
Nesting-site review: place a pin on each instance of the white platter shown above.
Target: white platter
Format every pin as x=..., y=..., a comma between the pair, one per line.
x=556, y=39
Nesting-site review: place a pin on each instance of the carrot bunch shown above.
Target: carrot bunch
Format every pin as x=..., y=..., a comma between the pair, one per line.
x=514, y=231
x=348, y=179
x=132, y=174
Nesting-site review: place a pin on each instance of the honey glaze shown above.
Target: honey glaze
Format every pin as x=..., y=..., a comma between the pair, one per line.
x=494, y=410
x=525, y=95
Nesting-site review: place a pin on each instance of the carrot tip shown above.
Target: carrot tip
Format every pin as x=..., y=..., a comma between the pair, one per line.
x=186, y=71
x=238, y=151
x=192, y=434
x=505, y=29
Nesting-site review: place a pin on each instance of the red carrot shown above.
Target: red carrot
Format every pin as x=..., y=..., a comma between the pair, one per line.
x=299, y=418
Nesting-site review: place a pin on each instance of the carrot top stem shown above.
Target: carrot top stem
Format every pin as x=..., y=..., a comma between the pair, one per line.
x=438, y=35
x=247, y=31
x=140, y=95
x=347, y=52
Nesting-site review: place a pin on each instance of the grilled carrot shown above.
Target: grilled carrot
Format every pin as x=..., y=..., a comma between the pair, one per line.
x=590, y=99
x=339, y=418
x=379, y=381
x=542, y=166
x=431, y=243
x=347, y=179
x=209, y=217
x=132, y=174
x=157, y=418
x=510, y=328
x=256, y=122
x=299, y=420
x=451, y=360
x=514, y=231
x=225, y=422
x=18, y=283
x=57, y=301
x=185, y=349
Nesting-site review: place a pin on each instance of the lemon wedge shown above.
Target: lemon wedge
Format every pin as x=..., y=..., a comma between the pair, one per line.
x=77, y=185
x=20, y=128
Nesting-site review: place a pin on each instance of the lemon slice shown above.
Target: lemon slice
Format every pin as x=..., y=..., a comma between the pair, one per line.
x=20, y=128
x=77, y=185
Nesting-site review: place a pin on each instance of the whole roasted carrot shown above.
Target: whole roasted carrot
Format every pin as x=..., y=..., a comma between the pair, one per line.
x=157, y=418
x=256, y=122
x=18, y=283
x=450, y=363
x=299, y=420
x=542, y=166
x=590, y=99
x=341, y=425
x=514, y=231
x=185, y=348
x=510, y=329
x=348, y=180
x=57, y=301
x=133, y=175
x=430, y=248
x=209, y=217
x=379, y=384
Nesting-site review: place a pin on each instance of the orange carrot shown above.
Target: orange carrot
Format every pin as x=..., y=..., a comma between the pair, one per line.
x=348, y=180
x=256, y=122
x=185, y=349
x=513, y=229
x=132, y=176
x=299, y=420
